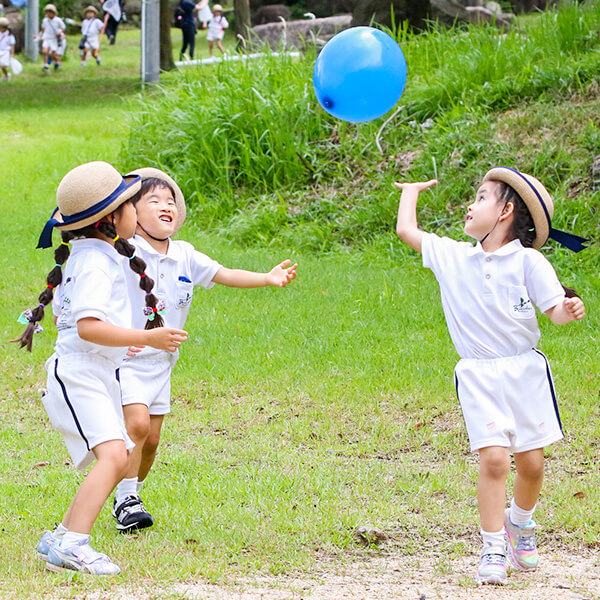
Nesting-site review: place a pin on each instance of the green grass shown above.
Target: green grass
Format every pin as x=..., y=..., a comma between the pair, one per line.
x=302, y=413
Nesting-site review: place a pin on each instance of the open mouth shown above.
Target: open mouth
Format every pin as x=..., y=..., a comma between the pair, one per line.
x=165, y=218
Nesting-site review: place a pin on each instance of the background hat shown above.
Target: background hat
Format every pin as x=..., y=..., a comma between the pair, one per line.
x=151, y=172
x=4, y=22
x=85, y=195
x=50, y=8
x=90, y=8
x=217, y=7
x=540, y=205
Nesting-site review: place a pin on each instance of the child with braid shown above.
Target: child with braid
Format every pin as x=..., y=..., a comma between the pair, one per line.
x=146, y=376
x=83, y=402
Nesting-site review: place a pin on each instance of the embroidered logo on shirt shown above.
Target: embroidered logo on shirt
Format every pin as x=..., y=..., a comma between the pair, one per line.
x=519, y=303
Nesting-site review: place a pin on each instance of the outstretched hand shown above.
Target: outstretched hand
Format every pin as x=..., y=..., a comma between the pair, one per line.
x=418, y=186
x=281, y=275
x=575, y=308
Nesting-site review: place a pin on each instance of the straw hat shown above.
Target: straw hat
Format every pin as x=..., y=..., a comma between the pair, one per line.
x=151, y=172
x=217, y=8
x=85, y=195
x=90, y=8
x=50, y=8
x=4, y=22
x=534, y=194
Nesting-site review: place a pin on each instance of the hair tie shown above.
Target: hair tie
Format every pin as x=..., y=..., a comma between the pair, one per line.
x=142, y=275
x=27, y=317
x=65, y=244
x=132, y=256
x=51, y=287
x=116, y=238
x=96, y=225
x=41, y=305
x=57, y=265
x=151, y=311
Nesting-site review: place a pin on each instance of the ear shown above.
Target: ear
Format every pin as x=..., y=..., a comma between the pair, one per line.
x=507, y=212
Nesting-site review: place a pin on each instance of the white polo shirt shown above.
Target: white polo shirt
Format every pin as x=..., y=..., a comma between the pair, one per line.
x=93, y=285
x=175, y=274
x=7, y=40
x=52, y=28
x=488, y=298
x=91, y=28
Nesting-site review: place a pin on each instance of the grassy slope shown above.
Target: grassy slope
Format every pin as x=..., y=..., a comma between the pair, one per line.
x=298, y=414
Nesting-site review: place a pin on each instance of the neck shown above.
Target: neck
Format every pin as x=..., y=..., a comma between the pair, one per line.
x=493, y=243
x=160, y=245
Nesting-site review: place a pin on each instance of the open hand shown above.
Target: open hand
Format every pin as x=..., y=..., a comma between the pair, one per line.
x=418, y=186
x=166, y=338
x=281, y=275
x=575, y=308
x=134, y=350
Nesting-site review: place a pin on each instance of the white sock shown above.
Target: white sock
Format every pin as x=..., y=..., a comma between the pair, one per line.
x=70, y=538
x=519, y=516
x=139, y=486
x=59, y=532
x=126, y=487
x=493, y=538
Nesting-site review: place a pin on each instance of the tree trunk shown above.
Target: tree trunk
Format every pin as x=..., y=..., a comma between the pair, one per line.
x=241, y=15
x=166, y=48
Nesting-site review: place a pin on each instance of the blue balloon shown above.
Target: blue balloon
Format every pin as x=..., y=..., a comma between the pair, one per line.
x=360, y=74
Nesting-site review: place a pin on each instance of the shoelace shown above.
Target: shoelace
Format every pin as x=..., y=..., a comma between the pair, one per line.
x=526, y=542
x=493, y=560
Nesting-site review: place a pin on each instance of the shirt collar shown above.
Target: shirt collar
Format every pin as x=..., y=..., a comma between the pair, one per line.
x=83, y=244
x=172, y=250
x=510, y=248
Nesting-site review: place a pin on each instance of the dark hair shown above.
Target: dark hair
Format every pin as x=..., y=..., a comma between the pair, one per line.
x=148, y=185
x=523, y=227
x=54, y=278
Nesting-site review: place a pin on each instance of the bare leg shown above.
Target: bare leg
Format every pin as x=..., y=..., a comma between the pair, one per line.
x=494, y=463
x=149, y=450
x=530, y=475
x=97, y=486
x=220, y=46
x=137, y=421
x=210, y=48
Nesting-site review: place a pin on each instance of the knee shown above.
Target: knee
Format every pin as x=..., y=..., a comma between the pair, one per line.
x=494, y=463
x=533, y=470
x=151, y=443
x=138, y=427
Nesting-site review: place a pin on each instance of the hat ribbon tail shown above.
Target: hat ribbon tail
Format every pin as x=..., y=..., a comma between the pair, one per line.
x=45, y=240
x=568, y=240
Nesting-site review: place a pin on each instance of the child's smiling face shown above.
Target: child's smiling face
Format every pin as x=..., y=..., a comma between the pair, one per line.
x=483, y=214
x=157, y=212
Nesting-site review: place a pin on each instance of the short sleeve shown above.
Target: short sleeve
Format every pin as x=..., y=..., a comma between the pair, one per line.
x=203, y=269
x=90, y=294
x=438, y=251
x=57, y=301
x=543, y=285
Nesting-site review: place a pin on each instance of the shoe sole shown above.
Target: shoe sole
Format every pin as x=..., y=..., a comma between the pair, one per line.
x=134, y=526
x=491, y=580
x=42, y=556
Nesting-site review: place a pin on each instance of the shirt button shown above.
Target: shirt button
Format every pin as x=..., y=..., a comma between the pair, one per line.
x=488, y=259
x=488, y=276
x=162, y=275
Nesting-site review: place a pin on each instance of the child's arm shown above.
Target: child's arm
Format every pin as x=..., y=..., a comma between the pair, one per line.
x=280, y=276
x=407, y=226
x=100, y=332
x=571, y=309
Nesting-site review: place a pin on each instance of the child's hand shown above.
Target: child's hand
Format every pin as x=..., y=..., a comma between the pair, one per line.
x=418, y=186
x=280, y=275
x=575, y=308
x=133, y=350
x=166, y=338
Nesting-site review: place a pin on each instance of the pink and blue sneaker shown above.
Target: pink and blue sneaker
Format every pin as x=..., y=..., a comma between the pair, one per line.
x=492, y=566
x=520, y=543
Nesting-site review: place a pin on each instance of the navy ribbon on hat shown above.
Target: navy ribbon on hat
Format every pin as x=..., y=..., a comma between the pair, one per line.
x=568, y=240
x=45, y=240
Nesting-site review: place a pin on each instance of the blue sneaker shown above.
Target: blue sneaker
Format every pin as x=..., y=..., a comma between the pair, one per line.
x=46, y=542
x=80, y=557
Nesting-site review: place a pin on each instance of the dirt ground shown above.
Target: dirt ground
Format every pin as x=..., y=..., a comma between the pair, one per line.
x=560, y=576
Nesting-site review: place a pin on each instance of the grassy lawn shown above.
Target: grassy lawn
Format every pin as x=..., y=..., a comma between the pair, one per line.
x=298, y=414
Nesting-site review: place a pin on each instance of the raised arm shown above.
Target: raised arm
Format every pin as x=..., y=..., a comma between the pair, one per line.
x=407, y=226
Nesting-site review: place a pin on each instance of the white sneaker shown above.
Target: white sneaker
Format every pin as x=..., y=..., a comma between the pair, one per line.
x=80, y=557
x=492, y=566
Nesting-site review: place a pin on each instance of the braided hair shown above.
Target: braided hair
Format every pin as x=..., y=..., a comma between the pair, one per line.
x=54, y=278
x=522, y=227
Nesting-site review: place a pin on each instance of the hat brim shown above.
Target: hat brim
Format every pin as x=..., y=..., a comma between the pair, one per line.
x=133, y=185
x=152, y=172
x=534, y=195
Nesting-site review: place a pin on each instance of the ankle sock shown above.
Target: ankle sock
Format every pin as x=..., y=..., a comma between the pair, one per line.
x=519, y=516
x=493, y=538
x=126, y=487
x=59, y=532
x=70, y=538
x=139, y=485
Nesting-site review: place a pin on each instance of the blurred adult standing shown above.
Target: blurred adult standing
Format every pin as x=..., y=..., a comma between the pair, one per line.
x=112, y=17
x=188, y=28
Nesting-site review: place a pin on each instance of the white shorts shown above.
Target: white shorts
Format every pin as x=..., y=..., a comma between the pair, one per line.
x=92, y=43
x=508, y=402
x=84, y=404
x=5, y=58
x=211, y=36
x=147, y=381
x=52, y=45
